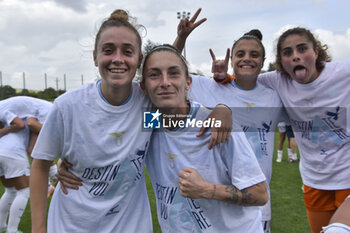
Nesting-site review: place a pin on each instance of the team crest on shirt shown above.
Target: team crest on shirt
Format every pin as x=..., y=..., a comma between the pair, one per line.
x=249, y=105
x=118, y=136
x=309, y=101
x=171, y=157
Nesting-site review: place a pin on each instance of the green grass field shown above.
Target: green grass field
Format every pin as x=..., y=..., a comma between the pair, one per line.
x=288, y=211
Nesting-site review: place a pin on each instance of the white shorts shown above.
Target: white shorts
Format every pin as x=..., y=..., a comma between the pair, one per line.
x=11, y=168
x=281, y=127
x=336, y=228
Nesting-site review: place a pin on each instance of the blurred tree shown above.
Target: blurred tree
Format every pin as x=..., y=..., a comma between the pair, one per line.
x=48, y=94
x=272, y=67
x=25, y=92
x=60, y=92
x=148, y=46
x=7, y=91
x=146, y=49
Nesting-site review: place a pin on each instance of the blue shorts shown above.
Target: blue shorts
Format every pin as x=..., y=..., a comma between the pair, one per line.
x=289, y=131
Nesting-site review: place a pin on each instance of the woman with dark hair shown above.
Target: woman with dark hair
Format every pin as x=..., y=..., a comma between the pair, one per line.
x=316, y=96
x=256, y=109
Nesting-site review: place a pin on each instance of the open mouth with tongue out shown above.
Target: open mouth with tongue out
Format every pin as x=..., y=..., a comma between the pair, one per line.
x=300, y=72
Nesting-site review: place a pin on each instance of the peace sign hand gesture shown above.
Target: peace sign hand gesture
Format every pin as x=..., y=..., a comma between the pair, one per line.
x=184, y=29
x=220, y=67
x=186, y=26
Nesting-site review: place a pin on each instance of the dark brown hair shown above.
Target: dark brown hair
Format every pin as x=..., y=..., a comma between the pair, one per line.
x=322, y=49
x=253, y=34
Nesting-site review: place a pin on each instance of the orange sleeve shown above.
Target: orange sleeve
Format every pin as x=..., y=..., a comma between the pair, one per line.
x=227, y=79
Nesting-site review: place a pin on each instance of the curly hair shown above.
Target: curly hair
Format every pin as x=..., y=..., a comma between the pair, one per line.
x=317, y=46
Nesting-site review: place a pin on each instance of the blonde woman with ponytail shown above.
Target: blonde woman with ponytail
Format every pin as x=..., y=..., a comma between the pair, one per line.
x=94, y=128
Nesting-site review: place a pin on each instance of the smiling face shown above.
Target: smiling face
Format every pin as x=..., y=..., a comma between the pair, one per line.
x=247, y=59
x=165, y=80
x=117, y=56
x=298, y=58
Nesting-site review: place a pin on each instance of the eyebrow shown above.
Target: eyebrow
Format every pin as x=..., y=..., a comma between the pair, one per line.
x=123, y=45
x=298, y=45
x=287, y=48
x=157, y=69
x=250, y=51
x=152, y=69
x=301, y=44
x=174, y=67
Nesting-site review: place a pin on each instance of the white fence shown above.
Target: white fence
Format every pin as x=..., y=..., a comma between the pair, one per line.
x=32, y=81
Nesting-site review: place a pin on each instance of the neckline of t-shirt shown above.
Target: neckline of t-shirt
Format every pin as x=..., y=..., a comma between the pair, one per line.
x=243, y=91
x=315, y=82
x=107, y=106
x=104, y=99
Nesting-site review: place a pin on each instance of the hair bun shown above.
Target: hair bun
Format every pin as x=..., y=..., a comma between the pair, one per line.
x=254, y=32
x=120, y=15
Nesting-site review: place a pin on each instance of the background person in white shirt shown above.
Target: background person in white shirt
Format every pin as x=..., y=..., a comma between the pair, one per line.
x=14, y=162
x=14, y=172
x=286, y=130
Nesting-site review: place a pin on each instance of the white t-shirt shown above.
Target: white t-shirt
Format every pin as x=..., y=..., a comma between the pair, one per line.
x=106, y=145
x=25, y=107
x=256, y=112
x=319, y=114
x=14, y=145
x=229, y=163
x=6, y=117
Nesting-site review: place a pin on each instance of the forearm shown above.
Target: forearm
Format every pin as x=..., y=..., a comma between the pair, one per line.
x=179, y=43
x=38, y=194
x=8, y=129
x=192, y=185
x=16, y=125
x=32, y=140
x=253, y=196
x=34, y=125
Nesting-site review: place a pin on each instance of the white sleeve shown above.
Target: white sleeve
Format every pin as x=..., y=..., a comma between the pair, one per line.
x=49, y=145
x=242, y=163
x=42, y=113
x=206, y=91
x=336, y=228
x=7, y=117
x=199, y=86
x=269, y=79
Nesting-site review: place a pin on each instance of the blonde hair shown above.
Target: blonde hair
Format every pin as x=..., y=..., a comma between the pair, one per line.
x=120, y=18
